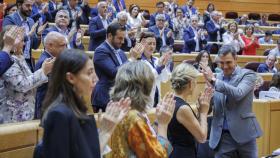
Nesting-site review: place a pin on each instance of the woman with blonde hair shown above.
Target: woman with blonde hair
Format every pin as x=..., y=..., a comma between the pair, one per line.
x=186, y=128
x=135, y=136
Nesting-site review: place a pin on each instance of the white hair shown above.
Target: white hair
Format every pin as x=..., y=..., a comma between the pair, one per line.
x=51, y=36
x=100, y=3
x=64, y=12
x=121, y=15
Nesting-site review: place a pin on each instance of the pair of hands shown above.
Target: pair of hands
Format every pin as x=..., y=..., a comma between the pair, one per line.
x=48, y=65
x=136, y=51
x=41, y=28
x=12, y=37
x=114, y=114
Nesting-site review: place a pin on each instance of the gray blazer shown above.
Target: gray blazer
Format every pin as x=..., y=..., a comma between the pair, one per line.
x=235, y=99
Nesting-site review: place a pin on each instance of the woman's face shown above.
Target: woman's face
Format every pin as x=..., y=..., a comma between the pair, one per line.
x=179, y=13
x=135, y=11
x=150, y=46
x=85, y=80
x=12, y=10
x=211, y=8
x=249, y=31
x=204, y=58
x=232, y=28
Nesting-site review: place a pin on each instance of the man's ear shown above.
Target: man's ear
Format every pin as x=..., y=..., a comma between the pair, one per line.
x=70, y=78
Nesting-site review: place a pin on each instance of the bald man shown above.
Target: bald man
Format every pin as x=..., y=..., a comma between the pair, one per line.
x=54, y=43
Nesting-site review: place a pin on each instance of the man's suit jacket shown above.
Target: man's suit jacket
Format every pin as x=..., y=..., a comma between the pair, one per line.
x=169, y=41
x=15, y=19
x=106, y=67
x=115, y=3
x=213, y=31
x=186, y=9
x=263, y=68
x=82, y=19
x=152, y=21
x=189, y=41
x=36, y=15
x=41, y=90
x=235, y=99
x=72, y=42
x=97, y=33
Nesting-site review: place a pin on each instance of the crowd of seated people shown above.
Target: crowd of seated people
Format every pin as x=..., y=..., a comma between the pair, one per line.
x=123, y=86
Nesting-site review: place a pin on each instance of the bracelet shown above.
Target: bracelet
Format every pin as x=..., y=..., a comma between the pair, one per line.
x=165, y=143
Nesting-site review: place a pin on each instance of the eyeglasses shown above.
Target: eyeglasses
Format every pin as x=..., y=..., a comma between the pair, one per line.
x=160, y=20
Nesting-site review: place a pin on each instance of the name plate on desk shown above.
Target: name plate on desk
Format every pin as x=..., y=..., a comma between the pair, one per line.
x=269, y=95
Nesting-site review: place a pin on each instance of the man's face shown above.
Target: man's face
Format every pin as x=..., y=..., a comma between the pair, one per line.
x=160, y=23
x=73, y=3
x=26, y=7
x=118, y=39
x=62, y=19
x=57, y=46
x=123, y=21
x=190, y=2
x=228, y=64
x=270, y=61
x=102, y=9
x=160, y=8
x=194, y=22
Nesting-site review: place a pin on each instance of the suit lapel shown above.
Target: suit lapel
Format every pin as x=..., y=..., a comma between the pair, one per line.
x=112, y=54
x=100, y=22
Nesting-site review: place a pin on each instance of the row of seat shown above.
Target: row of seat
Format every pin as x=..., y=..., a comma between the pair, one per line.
x=253, y=16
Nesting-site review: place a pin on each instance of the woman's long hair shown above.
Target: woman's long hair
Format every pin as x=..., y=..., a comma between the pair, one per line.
x=73, y=61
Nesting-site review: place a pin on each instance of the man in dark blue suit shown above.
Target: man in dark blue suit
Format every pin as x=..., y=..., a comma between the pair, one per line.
x=119, y=5
x=194, y=38
x=61, y=25
x=164, y=35
x=54, y=44
x=107, y=58
x=160, y=10
x=98, y=26
x=21, y=18
x=214, y=28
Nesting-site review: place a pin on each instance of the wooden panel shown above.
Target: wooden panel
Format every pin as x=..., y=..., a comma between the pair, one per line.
x=19, y=153
x=274, y=126
x=261, y=109
x=16, y=135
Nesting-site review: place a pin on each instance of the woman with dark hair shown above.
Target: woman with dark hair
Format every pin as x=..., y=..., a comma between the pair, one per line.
x=275, y=83
x=10, y=9
x=135, y=19
x=157, y=65
x=186, y=128
x=19, y=82
x=233, y=37
x=135, y=136
x=206, y=16
x=251, y=42
x=68, y=130
x=203, y=57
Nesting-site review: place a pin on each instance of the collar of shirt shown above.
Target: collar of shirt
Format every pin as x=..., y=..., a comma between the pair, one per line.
x=143, y=57
x=65, y=32
x=49, y=53
x=102, y=17
x=21, y=18
x=228, y=78
x=112, y=48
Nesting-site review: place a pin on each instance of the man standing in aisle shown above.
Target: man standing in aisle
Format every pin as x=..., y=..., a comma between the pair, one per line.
x=234, y=126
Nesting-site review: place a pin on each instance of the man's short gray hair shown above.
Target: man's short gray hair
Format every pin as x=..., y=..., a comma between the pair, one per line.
x=122, y=15
x=64, y=12
x=100, y=3
x=160, y=16
x=214, y=13
x=52, y=36
x=226, y=49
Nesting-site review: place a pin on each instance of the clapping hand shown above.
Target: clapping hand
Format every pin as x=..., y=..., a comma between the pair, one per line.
x=33, y=29
x=165, y=109
x=207, y=72
x=80, y=35
x=136, y=51
x=114, y=113
x=48, y=65
x=204, y=99
x=41, y=29
x=10, y=37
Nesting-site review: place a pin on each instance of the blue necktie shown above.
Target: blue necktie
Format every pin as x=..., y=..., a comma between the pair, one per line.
x=118, y=57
